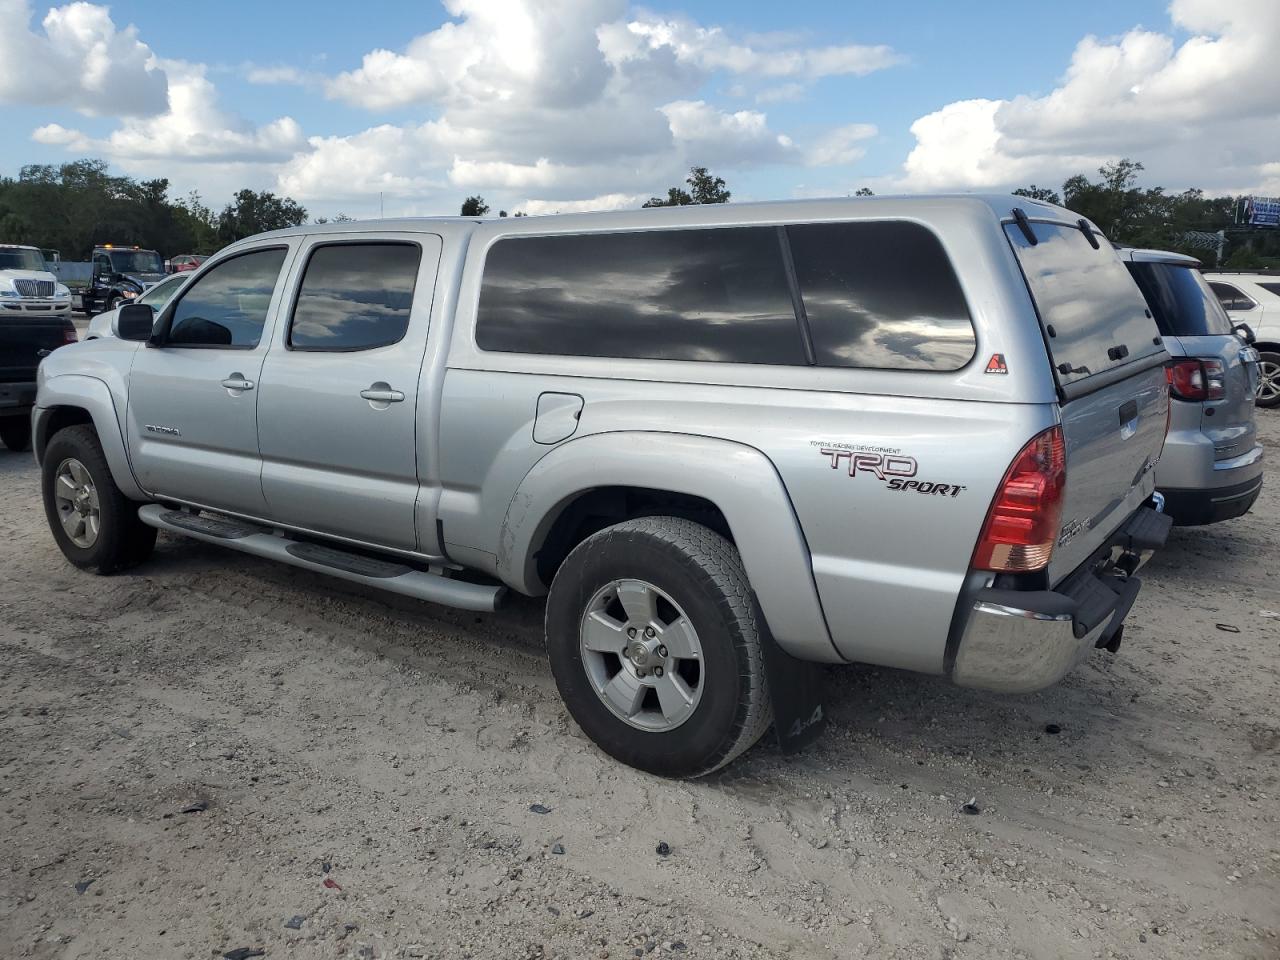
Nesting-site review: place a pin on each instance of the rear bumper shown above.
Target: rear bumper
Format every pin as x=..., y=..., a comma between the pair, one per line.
x=1017, y=641
x=1190, y=508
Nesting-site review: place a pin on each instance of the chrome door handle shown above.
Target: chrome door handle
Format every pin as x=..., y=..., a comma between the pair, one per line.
x=382, y=395
x=237, y=382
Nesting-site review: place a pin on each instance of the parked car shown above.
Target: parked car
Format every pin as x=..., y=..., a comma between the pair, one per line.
x=185, y=262
x=25, y=340
x=1211, y=467
x=120, y=274
x=728, y=442
x=1253, y=298
x=104, y=324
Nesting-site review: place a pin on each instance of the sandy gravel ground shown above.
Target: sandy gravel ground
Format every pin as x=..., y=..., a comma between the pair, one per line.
x=214, y=753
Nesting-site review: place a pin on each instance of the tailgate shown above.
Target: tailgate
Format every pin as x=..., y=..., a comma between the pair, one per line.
x=1108, y=359
x=1113, y=437
x=22, y=339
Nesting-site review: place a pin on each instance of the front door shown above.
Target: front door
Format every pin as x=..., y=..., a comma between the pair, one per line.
x=337, y=412
x=192, y=411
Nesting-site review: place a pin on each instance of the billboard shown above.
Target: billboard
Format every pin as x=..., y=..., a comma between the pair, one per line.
x=1262, y=211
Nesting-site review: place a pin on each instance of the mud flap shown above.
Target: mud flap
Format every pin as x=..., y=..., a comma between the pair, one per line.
x=795, y=690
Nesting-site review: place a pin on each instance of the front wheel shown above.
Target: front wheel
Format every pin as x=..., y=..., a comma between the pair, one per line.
x=654, y=637
x=95, y=525
x=1268, y=379
x=115, y=303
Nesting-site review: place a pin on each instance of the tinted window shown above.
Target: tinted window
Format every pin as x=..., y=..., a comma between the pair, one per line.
x=227, y=307
x=1271, y=288
x=881, y=295
x=1088, y=303
x=1230, y=297
x=1181, y=301
x=161, y=293
x=355, y=296
x=718, y=295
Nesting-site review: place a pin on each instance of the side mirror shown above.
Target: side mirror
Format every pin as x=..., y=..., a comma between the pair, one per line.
x=134, y=321
x=1244, y=332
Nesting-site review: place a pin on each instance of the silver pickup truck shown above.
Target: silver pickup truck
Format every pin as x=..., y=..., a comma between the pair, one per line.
x=730, y=443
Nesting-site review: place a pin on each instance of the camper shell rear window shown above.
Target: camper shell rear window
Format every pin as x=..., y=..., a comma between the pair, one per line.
x=1092, y=313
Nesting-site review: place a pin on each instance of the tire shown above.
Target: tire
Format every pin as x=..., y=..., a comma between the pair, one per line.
x=15, y=432
x=1268, y=379
x=121, y=540
x=692, y=577
x=115, y=303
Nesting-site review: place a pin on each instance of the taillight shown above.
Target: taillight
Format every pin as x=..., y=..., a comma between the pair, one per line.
x=1196, y=379
x=69, y=335
x=1026, y=514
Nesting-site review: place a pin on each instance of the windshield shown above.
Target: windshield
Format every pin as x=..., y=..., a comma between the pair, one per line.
x=1182, y=302
x=135, y=261
x=161, y=293
x=17, y=258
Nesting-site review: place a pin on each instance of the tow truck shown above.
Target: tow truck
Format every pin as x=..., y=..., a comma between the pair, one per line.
x=120, y=273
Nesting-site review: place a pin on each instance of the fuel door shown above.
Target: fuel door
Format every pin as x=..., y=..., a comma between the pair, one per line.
x=557, y=417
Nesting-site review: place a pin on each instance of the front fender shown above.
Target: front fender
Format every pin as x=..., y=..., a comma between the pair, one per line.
x=94, y=397
x=740, y=480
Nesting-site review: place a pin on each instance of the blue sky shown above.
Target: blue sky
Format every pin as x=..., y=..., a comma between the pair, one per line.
x=566, y=104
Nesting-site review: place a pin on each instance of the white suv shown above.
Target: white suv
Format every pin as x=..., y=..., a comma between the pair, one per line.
x=1253, y=297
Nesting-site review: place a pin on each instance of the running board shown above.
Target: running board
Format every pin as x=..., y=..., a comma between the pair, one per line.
x=379, y=574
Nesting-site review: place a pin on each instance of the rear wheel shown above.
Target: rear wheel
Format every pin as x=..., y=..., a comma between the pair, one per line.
x=95, y=525
x=1268, y=379
x=15, y=432
x=654, y=637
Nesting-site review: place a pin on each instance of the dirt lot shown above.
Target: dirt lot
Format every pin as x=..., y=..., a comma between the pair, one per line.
x=196, y=754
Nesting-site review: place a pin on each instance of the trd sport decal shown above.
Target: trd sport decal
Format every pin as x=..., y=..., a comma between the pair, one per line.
x=894, y=469
x=996, y=364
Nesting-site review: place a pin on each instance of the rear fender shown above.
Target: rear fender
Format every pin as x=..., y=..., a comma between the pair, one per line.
x=94, y=397
x=740, y=480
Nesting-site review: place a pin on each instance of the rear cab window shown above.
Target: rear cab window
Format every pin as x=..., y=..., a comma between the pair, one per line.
x=1092, y=314
x=1181, y=301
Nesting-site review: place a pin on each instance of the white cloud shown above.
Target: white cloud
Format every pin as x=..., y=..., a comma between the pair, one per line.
x=80, y=61
x=840, y=146
x=725, y=139
x=711, y=49
x=269, y=76
x=193, y=128
x=608, y=201
x=1202, y=112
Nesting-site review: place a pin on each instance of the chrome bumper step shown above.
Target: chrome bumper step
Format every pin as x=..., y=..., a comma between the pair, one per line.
x=379, y=574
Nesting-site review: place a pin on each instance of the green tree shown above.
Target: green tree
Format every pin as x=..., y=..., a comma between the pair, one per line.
x=474, y=207
x=1039, y=193
x=703, y=188
x=251, y=212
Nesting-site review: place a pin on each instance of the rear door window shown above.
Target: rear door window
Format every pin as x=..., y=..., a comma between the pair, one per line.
x=1273, y=288
x=355, y=296
x=1181, y=301
x=1092, y=313
x=1230, y=297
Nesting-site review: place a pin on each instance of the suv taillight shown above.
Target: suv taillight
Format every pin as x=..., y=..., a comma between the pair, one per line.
x=1196, y=379
x=1026, y=514
x=69, y=334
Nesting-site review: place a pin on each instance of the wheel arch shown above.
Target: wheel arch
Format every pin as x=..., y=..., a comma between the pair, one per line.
x=719, y=481
x=70, y=399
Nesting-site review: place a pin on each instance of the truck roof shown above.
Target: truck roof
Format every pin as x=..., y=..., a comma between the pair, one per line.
x=18, y=246
x=717, y=214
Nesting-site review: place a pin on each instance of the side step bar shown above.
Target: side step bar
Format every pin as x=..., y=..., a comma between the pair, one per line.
x=380, y=574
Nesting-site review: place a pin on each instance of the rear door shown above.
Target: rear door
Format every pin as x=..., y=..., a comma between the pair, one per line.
x=1187, y=309
x=1108, y=357
x=338, y=407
